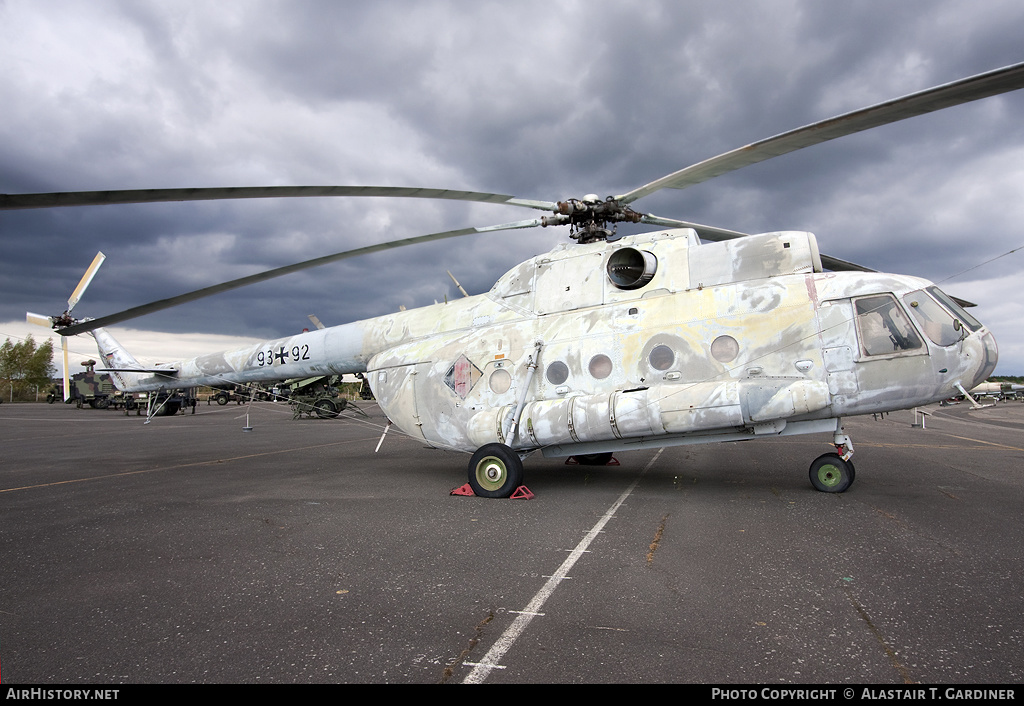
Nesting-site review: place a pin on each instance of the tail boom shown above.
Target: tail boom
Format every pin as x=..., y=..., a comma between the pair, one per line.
x=331, y=351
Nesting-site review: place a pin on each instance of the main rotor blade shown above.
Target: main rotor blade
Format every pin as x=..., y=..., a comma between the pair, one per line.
x=100, y=198
x=837, y=265
x=143, y=309
x=719, y=234
x=1009, y=78
x=706, y=232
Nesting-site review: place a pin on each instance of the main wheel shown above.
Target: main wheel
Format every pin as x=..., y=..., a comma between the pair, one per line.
x=831, y=474
x=495, y=471
x=169, y=409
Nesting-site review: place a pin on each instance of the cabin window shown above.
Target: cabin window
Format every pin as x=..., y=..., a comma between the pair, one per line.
x=724, y=349
x=662, y=357
x=558, y=372
x=883, y=327
x=600, y=366
x=500, y=381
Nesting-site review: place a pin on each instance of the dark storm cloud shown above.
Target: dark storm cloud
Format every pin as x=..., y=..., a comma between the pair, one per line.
x=539, y=100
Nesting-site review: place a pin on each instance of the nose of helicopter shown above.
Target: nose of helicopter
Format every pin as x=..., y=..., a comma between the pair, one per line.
x=988, y=358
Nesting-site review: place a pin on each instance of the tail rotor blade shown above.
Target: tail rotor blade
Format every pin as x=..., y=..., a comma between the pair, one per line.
x=83, y=284
x=39, y=319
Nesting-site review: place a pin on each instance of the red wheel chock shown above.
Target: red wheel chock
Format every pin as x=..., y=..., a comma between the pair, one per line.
x=520, y=493
x=573, y=461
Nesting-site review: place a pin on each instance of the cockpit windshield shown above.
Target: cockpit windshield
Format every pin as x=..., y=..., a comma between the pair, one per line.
x=958, y=311
x=942, y=319
x=937, y=323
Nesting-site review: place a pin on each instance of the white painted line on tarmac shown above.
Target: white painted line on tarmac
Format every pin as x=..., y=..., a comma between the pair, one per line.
x=492, y=660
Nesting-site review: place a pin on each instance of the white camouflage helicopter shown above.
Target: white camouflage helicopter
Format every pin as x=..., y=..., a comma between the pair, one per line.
x=616, y=343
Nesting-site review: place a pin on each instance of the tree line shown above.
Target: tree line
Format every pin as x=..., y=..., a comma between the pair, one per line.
x=25, y=367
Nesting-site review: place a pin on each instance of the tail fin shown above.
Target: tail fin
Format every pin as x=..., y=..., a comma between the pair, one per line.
x=126, y=371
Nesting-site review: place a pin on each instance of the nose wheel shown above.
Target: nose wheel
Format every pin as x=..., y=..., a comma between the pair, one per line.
x=831, y=474
x=495, y=471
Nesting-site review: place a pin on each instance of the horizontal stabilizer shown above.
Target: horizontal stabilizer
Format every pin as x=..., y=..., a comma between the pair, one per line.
x=170, y=372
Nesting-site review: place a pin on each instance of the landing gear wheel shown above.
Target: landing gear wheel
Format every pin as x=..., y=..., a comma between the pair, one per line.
x=325, y=409
x=168, y=410
x=831, y=474
x=495, y=471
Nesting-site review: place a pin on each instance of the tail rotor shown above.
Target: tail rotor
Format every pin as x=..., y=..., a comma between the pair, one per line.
x=65, y=319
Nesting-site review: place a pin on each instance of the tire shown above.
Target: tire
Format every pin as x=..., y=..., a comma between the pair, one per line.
x=222, y=400
x=831, y=474
x=495, y=471
x=325, y=409
x=169, y=409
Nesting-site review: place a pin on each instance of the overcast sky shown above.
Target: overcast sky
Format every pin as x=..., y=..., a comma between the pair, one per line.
x=543, y=100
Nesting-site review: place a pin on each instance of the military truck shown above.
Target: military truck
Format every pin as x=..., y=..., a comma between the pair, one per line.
x=89, y=388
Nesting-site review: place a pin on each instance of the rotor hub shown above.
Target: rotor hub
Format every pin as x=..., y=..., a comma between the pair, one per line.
x=63, y=321
x=591, y=219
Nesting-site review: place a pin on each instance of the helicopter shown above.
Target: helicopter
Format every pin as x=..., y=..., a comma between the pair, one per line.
x=689, y=334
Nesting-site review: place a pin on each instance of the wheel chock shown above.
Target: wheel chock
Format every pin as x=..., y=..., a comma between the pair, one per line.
x=520, y=493
x=573, y=461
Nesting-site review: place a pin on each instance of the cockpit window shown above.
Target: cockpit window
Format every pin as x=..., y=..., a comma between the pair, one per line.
x=937, y=323
x=958, y=311
x=883, y=327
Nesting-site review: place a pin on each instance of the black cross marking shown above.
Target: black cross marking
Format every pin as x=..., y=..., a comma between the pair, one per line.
x=281, y=354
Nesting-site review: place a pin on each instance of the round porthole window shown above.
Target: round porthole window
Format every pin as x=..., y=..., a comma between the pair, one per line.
x=500, y=381
x=662, y=357
x=557, y=373
x=600, y=366
x=725, y=349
